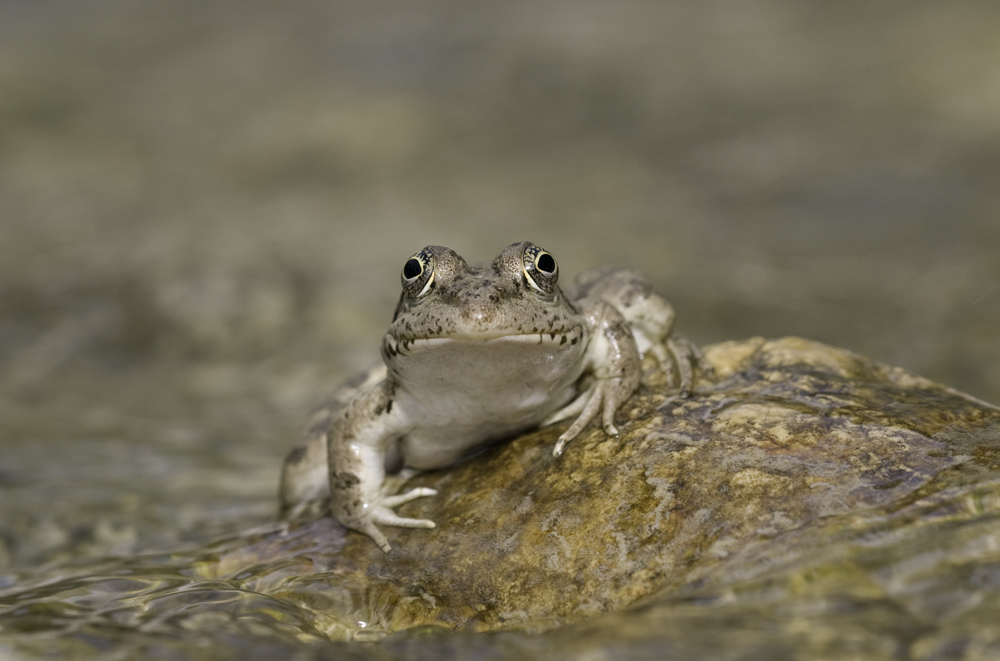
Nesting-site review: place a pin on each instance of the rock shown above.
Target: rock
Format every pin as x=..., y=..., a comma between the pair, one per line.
x=741, y=477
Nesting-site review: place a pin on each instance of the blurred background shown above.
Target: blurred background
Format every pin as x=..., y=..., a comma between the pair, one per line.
x=204, y=207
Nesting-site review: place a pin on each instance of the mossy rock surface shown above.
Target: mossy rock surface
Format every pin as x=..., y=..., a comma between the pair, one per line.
x=744, y=476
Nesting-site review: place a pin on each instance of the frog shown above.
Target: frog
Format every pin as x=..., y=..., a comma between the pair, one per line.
x=475, y=355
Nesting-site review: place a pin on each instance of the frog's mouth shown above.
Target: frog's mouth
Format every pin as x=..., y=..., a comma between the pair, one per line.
x=569, y=337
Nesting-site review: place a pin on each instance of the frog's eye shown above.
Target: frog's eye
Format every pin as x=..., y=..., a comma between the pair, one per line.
x=540, y=269
x=418, y=274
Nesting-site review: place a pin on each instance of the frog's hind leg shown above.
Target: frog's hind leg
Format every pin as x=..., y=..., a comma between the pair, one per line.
x=305, y=482
x=651, y=320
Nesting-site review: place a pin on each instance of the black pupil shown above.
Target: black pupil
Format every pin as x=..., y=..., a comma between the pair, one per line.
x=546, y=263
x=412, y=268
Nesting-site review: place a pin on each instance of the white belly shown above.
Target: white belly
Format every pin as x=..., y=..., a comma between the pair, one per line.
x=457, y=396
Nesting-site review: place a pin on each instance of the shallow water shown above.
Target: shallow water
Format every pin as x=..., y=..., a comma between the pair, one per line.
x=204, y=207
x=924, y=591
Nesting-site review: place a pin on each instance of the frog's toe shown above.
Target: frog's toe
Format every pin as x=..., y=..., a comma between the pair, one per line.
x=387, y=517
x=412, y=494
x=383, y=516
x=659, y=351
x=683, y=357
x=594, y=397
x=368, y=527
x=571, y=410
x=609, y=422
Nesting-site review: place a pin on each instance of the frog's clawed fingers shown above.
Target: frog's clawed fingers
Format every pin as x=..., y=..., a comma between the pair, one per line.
x=387, y=517
x=368, y=527
x=412, y=494
x=382, y=515
x=604, y=395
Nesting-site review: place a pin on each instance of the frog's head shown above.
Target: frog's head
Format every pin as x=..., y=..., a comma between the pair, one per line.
x=515, y=299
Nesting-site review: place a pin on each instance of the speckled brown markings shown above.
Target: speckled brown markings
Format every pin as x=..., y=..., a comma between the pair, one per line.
x=344, y=481
x=475, y=354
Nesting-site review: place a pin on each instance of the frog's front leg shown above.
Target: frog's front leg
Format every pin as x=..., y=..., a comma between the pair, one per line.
x=613, y=362
x=357, y=441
